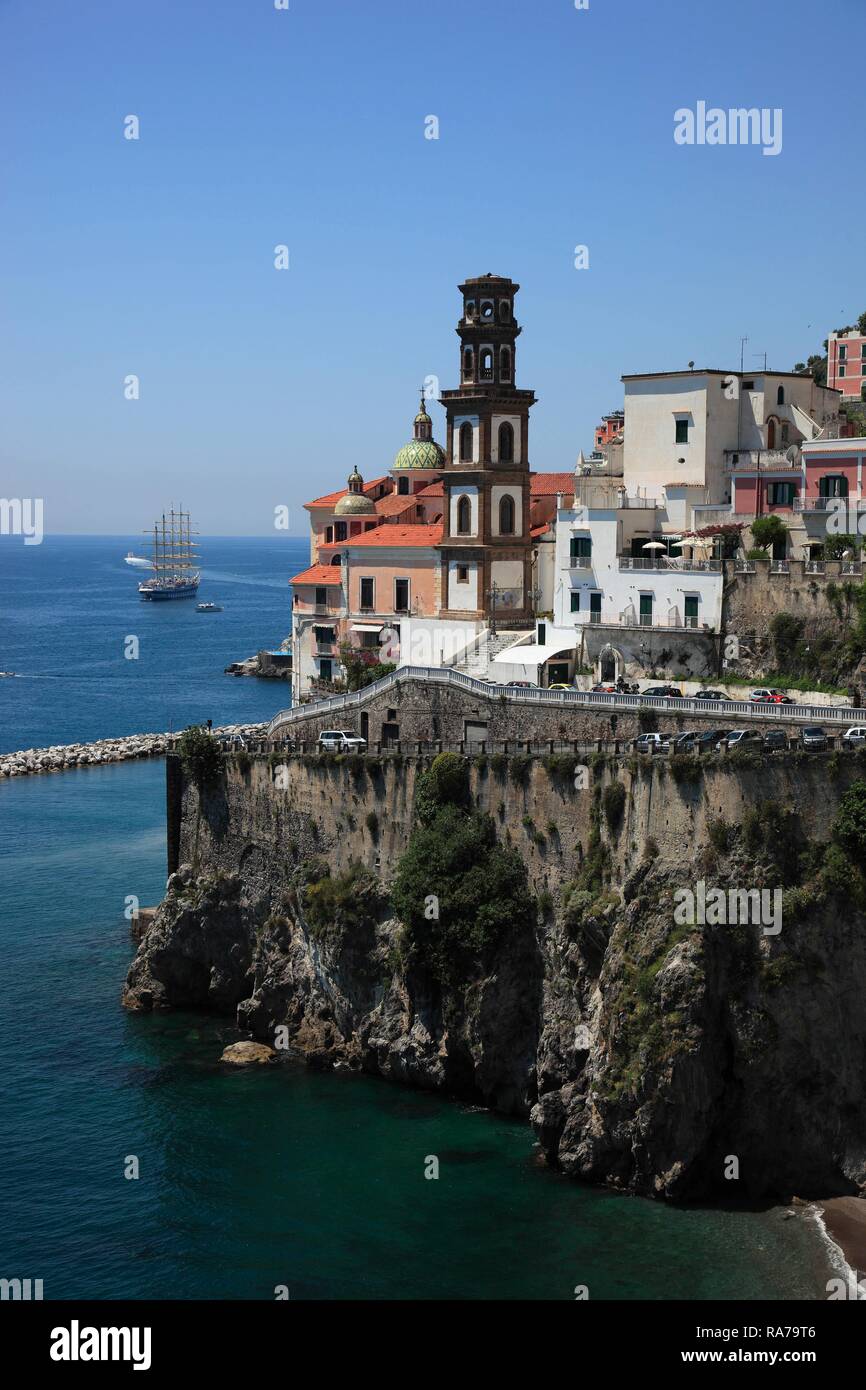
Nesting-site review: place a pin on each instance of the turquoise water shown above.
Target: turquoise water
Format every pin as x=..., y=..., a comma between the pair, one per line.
x=249, y=1179
x=252, y=1179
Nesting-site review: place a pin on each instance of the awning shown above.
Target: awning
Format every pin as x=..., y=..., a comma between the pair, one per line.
x=532, y=654
x=368, y=627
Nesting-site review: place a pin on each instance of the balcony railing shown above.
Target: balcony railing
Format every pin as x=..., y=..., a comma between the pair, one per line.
x=817, y=504
x=760, y=459
x=667, y=562
x=579, y=562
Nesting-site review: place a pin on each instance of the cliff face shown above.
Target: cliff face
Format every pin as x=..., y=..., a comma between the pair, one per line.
x=650, y=1054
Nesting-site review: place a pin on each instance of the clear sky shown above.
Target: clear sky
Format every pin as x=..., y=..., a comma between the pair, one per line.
x=306, y=127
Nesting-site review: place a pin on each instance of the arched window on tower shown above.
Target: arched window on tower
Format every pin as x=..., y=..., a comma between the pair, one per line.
x=504, y=364
x=464, y=516
x=506, y=443
x=466, y=443
x=402, y=486
x=468, y=362
x=506, y=515
x=487, y=364
x=504, y=311
x=780, y=396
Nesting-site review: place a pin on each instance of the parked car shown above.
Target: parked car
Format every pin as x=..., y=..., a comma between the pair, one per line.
x=768, y=696
x=742, y=738
x=814, y=737
x=708, y=740
x=523, y=685
x=855, y=737
x=341, y=741
x=651, y=743
x=604, y=690
x=670, y=692
x=775, y=739
x=683, y=742
x=560, y=685
x=710, y=695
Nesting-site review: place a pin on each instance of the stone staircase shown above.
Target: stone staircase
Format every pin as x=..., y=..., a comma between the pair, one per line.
x=477, y=658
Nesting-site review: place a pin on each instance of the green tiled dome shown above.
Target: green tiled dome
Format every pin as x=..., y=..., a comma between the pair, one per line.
x=420, y=453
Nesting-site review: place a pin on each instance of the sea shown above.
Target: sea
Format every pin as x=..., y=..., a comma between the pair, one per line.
x=134, y=1165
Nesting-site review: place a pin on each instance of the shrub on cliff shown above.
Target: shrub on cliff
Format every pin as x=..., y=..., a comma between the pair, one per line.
x=849, y=828
x=336, y=907
x=613, y=804
x=445, y=783
x=457, y=891
x=199, y=754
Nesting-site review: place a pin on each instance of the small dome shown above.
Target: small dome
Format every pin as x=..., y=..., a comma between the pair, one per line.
x=420, y=453
x=355, y=504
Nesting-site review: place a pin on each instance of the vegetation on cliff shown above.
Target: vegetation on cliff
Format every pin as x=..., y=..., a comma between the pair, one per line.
x=456, y=891
x=200, y=754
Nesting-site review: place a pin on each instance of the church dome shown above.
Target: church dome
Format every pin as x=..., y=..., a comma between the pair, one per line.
x=355, y=502
x=422, y=451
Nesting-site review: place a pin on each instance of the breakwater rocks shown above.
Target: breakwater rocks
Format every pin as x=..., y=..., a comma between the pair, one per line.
x=60, y=757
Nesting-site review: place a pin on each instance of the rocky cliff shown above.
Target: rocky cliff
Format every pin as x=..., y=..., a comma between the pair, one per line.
x=671, y=1057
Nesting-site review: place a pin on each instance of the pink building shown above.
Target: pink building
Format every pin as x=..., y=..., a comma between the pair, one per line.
x=846, y=362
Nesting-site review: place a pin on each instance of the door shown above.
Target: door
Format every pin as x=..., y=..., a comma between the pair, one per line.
x=595, y=608
x=557, y=673
x=474, y=734
x=646, y=610
x=691, y=611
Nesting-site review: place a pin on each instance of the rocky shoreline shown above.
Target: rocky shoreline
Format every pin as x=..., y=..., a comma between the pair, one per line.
x=61, y=757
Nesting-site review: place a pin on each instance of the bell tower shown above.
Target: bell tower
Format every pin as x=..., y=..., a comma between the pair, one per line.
x=485, y=546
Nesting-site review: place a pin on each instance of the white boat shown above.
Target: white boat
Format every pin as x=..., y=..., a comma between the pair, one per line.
x=208, y=608
x=138, y=561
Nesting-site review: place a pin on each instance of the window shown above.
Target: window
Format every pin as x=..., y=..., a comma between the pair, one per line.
x=575, y=600
x=466, y=442
x=368, y=595
x=841, y=368
x=780, y=494
x=682, y=431
x=402, y=486
x=487, y=308
x=326, y=667
x=863, y=350
x=595, y=608
x=504, y=311
x=843, y=351
x=468, y=361
x=329, y=535
x=505, y=364
x=321, y=597
x=340, y=531
x=470, y=308
x=369, y=525
x=748, y=386
x=833, y=485
x=780, y=396
x=506, y=443
x=487, y=364
x=401, y=595
x=462, y=574
x=541, y=634
x=691, y=611
x=506, y=515
x=646, y=610
x=464, y=516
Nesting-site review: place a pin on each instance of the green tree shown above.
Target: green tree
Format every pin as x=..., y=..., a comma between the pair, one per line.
x=849, y=828
x=199, y=754
x=767, y=530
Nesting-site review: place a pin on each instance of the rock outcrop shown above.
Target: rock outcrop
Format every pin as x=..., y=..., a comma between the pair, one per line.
x=673, y=1060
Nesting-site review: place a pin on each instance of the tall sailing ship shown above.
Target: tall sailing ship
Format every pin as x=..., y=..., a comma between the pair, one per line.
x=174, y=560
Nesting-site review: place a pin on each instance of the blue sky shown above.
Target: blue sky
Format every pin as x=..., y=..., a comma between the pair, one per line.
x=262, y=388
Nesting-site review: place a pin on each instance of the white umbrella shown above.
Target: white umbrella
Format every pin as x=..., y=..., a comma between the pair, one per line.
x=846, y=554
x=653, y=545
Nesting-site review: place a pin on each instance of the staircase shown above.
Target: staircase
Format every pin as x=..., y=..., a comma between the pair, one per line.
x=476, y=659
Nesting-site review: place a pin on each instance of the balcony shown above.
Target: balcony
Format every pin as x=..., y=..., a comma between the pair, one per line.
x=667, y=562
x=762, y=460
x=578, y=562
x=819, y=504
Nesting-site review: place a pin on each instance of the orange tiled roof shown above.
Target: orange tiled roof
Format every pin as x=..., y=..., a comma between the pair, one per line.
x=398, y=535
x=332, y=498
x=394, y=504
x=436, y=489
x=319, y=574
x=548, y=484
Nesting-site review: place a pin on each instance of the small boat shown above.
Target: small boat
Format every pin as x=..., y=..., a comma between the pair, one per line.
x=208, y=608
x=6, y=673
x=138, y=561
x=175, y=563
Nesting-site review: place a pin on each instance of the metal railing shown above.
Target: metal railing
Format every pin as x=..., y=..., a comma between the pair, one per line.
x=581, y=699
x=667, y=562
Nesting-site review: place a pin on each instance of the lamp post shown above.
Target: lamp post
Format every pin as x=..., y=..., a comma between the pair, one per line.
x=492, y=594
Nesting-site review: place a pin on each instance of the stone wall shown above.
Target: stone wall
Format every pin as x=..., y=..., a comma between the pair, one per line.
x=752, y=600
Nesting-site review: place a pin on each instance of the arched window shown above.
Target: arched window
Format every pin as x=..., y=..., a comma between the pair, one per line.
x=780, y=396
x=329, y=535
x=464, y=516
x=466, y=443
x=487, y=364
x=505, y=364
x=504, y=311
x=402, y=486
x=506, y=443
x=506, y=515
x=468, y=361
x=771, y=433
